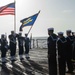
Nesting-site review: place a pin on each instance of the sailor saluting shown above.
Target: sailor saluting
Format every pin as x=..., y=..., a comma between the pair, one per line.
x=61, y=46
x=52, y=52
x=69, y=39
x=20, y=45
x=4, y=47
x=12, y=42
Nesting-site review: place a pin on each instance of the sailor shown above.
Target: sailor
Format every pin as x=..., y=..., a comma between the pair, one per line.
x=30, y=41
x=27, y=41
x=73, y=57
x=69, y=39
x=4, y=48
x=12, y=39
x=20, y=45
x=52, y=52
x=73, y=34
x=61, y=46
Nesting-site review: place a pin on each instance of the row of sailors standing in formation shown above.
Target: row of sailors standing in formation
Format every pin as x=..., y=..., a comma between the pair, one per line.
x=66, y=52
x=23, y=42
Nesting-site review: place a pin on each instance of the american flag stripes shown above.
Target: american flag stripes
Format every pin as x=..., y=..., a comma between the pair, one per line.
x=7, y=9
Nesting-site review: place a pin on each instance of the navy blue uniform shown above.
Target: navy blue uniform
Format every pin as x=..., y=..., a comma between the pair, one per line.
x=12, y=39
x=61, y=45
x=4, y=48
x=20, y=45
x=52, y=54
x=73, y=53
x=26, y=45
x=69, y=53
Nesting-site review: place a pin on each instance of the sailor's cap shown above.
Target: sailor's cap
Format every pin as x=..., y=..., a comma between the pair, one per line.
x=2, y=35
x=20, y=33
x=26, y=34
x=60, y=33
x=49, y=29
x=68, y=31
x=12, y=31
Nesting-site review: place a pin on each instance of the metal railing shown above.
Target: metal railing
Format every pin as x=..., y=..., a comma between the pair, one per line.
x=39, y=43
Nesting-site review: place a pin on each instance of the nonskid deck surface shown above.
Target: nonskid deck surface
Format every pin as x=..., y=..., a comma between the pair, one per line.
x=36, y=65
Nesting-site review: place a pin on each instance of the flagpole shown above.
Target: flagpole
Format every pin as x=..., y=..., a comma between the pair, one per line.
x=32, y=25
x=30, y=29
x=15, y=17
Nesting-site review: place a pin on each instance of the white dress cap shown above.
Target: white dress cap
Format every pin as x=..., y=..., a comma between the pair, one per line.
x=60, y=33
x=68, y=30
x=50, y=29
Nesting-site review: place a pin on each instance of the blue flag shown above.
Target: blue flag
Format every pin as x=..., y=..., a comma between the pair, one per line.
x=28, y=21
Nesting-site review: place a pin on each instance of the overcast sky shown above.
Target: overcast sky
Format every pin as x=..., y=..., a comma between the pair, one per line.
x=59, y=14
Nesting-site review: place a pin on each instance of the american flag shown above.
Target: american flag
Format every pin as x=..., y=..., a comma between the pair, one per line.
x=7, y=9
